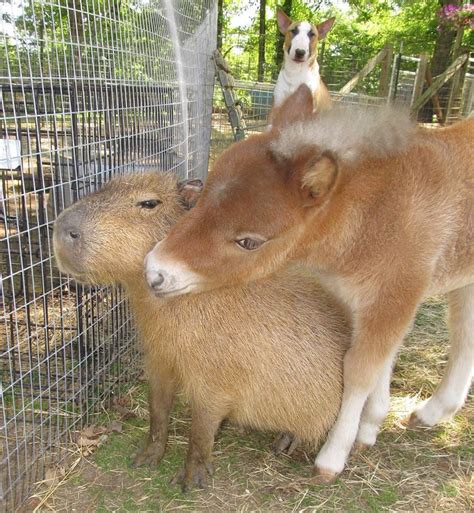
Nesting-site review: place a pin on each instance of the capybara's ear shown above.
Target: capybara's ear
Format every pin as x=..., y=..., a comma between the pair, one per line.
x=283, y=20
x=190, y=190
x=318, y=178
x=297, y=107
x=325, y=27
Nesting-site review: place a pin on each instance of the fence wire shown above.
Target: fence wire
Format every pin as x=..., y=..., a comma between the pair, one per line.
x=88, y=89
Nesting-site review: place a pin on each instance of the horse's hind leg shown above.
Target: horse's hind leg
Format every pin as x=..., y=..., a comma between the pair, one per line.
x=452, y=391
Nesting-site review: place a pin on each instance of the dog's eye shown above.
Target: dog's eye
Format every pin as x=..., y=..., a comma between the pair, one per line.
x=249, y=244
x=148, y=204
x=311, y=35
x=294, y=31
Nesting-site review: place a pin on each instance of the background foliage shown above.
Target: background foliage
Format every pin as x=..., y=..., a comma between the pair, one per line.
x=362, y=28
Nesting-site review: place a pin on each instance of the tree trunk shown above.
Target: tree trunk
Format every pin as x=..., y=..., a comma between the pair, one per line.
x=443, y=46
x=220, y=22
x=286, y=6
x=442, y=57
x=261, y=40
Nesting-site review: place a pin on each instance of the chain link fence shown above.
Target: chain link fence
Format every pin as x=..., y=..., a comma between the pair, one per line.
x=88, y=89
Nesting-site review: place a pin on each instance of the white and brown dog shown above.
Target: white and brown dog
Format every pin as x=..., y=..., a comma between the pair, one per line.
x=300, y=65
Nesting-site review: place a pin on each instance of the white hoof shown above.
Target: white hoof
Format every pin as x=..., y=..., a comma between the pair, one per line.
x=432, y=412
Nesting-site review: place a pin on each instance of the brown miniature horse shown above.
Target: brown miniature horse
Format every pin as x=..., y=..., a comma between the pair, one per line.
x=383, y=210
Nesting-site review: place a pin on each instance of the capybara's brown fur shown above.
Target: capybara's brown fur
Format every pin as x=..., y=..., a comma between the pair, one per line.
x=268, y=355
x=382, y=209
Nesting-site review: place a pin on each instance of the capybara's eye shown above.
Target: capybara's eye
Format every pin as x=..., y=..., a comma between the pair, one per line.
x=249, y=244
x=148, y=204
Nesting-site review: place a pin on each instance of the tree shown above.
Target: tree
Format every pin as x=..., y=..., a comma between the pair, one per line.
x=442, y=54
x=261, y=40
x=220, y=23
x=286, y=6
x=360, y=31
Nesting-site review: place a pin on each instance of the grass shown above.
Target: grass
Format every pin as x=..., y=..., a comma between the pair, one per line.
x=407, y=470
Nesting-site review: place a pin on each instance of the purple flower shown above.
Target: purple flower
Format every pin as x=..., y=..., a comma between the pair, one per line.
x=456, y=16
x=450, y=7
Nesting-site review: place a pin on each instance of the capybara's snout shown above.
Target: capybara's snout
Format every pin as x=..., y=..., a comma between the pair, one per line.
x=68, y=240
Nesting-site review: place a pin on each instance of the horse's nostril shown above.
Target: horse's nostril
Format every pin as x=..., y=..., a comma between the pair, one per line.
x=157, y=282
x=74, y=235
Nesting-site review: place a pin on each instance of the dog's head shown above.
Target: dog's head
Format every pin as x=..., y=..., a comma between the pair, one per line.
x=301, y=37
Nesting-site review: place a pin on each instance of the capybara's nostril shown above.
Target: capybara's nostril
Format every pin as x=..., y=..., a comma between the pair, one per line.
x=74, y=234
x=157, y=282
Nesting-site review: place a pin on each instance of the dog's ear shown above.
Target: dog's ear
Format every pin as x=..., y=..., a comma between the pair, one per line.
x=283, y=20
x=189, y=191
x=317, y=177
x=325, y=27
x=297, y=107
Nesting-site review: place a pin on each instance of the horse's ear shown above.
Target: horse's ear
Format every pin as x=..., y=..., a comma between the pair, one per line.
x=283, y=20
x=318, y=178
x=297, y=107
x=324, y=27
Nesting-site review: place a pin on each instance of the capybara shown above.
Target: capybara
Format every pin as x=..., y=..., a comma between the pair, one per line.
x=381, y=208
x=267, y=355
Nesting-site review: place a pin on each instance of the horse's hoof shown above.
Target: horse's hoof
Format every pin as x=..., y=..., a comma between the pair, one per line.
x=360, y=447
x=323, y=476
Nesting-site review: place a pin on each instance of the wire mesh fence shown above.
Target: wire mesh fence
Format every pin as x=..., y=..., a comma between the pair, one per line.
x=88, y=89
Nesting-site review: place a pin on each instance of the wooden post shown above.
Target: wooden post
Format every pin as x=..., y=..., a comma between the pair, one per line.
x=439, y=82
x=454, y=90
x=369, y=66
x=419, y=80
x=435, y=97
x=385, y=73
x=227, y=83
x=468, y=98
x=392, y=91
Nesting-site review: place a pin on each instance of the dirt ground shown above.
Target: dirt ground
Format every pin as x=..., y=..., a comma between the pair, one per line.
x=407, y=470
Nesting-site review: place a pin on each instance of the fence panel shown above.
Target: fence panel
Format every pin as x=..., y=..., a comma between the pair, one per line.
x=88, y=89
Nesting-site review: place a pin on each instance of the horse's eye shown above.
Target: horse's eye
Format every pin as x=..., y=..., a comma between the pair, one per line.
x=148, y=204
x=249, y=244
